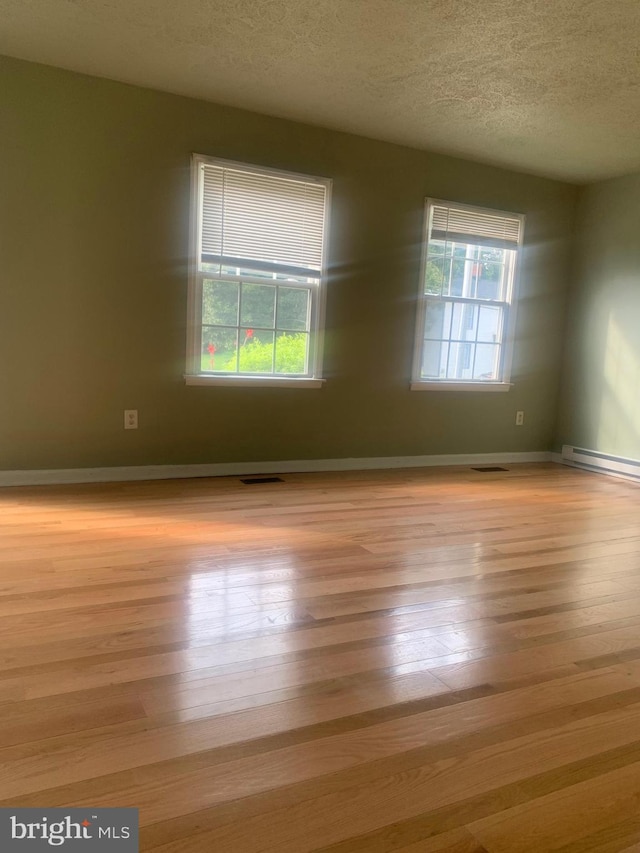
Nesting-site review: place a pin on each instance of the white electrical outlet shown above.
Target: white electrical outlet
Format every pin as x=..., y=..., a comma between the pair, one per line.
x=519, y=418
x=131, y=419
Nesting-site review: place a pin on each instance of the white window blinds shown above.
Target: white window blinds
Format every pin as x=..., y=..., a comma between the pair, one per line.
x=262, y=221
x=479, y=227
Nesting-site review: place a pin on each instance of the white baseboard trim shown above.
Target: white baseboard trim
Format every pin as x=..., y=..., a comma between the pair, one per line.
x=226, y=469
x=597, y=462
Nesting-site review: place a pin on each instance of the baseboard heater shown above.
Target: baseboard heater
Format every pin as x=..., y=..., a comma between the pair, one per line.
x=594, y=460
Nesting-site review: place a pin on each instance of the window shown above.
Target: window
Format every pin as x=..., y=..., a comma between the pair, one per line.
x=466, y=312
x=256, y=295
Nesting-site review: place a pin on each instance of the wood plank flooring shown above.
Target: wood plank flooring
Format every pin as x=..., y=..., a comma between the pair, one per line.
x=412, y=661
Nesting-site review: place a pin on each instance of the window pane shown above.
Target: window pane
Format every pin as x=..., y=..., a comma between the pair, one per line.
x=472, y=271
x=457, y=367
x=491, y=281
x=437, y=319
x=219, y=349
x=460, y=251
x=293, y=308
x=470, y=322
x=457, y=330
x=489, y=325
x=453, y=284
x=291, y=352
x=467, y=350
x=256, y=351
x=495, y=256
x=258, y=305
x=434, y=359
x=486, y=362
x=220, y=303
x=435, y=272
x=473, y=279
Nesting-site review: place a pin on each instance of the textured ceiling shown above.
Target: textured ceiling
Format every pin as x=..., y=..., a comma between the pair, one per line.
x=546, y=86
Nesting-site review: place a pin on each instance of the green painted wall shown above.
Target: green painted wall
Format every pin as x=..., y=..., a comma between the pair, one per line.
x=600, y=399
x=94, y=179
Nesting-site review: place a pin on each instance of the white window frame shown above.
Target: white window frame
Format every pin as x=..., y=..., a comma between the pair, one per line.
x=509, y=305
x=317, y=290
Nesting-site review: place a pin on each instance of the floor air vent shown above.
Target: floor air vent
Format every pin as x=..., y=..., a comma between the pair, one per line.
x=489, y=468
x=253, y=481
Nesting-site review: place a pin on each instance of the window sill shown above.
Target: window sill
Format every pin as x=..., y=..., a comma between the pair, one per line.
x=253, y=381
x=460, y=386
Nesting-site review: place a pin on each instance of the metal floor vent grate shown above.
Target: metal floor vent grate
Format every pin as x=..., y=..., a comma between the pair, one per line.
x=489, y=468
x=253, y=481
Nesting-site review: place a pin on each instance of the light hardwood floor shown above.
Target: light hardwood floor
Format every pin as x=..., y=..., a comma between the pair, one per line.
x=412, y=661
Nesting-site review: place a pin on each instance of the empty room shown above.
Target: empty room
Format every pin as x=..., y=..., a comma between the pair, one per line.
x=320, y=426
